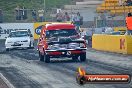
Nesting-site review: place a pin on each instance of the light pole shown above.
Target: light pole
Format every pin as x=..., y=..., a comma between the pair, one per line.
x=44, y=10
x=44, y=4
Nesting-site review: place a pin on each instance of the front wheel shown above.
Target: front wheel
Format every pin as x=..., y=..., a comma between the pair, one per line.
x=7, y=49
x=83, y=57
x=31, y=45
x=41, y=57
x=47, y=59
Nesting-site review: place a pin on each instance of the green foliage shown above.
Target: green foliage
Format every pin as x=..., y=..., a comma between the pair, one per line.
x=31, y=4
x=8, y=6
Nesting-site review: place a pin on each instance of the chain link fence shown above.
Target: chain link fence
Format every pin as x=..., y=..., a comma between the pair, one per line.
x=25, y=15
x=107, y=20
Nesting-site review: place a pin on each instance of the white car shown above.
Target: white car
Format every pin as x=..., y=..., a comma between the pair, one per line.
x=19, y=39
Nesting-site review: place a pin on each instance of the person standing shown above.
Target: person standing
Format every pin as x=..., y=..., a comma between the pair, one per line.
x=128, y=2
x=34, y=15
x=120, y=2
x=41, y=15
x=72, y=17
x=17, y=13
x=129, y=24
x=66, y=17
x=24, y=13
x=77, y=21
x=59, y=16
x=103, y=19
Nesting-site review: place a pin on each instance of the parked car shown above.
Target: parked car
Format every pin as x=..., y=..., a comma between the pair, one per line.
x=19, y=39
x=61, y=40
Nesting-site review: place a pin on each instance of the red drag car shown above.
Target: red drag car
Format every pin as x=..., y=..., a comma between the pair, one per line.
x=61, y=40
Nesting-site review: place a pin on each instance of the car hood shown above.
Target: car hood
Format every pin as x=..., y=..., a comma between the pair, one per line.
x=17, y=39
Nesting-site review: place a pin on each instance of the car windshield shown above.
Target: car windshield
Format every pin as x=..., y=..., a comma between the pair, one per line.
x=60, y=32
x=18, y=34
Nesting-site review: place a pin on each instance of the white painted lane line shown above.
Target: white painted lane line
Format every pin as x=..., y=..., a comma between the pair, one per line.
x=6, y=81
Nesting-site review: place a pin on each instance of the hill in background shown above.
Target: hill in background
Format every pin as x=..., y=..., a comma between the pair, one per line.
x=8, y=6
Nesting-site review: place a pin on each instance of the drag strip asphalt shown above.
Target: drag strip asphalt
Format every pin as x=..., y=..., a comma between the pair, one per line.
x=24, y=70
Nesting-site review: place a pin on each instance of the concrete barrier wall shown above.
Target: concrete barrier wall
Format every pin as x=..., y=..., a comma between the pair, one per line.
x=112, y=43
x=129, y=44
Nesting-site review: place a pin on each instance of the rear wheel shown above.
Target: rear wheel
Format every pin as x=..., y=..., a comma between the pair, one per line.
x=47, y=59
x=41, y=57
x=83, y=57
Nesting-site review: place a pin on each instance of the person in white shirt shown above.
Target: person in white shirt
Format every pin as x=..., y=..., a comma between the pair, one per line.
x=41, y=15
x=59, y=16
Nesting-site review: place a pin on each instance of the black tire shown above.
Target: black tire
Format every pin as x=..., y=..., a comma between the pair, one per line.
x=7, y=49
x=41, y=57
x=47, y=59
x=30, y=46
x=83, y=57
x=74, y=58
x=82, y=81
x=33, y=46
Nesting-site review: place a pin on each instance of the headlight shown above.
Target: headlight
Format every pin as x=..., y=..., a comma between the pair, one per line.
x=55, y=46
x=9, y=42
x=82, y=45
x=73, y=45
x=49, y=46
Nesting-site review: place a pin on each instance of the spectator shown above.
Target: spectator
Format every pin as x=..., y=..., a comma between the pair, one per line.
x=17, y=13
x=83, y=34
x=128, y=24
x=77, y=21
x=41, y=15
x=24, y=13
x=34, y=15
x=59, y=16
x=72, y=17
x=129, y=14
x=21, y=13
x=128, y=3
x=103, y=19
x=66, y=17
x=120, y=2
